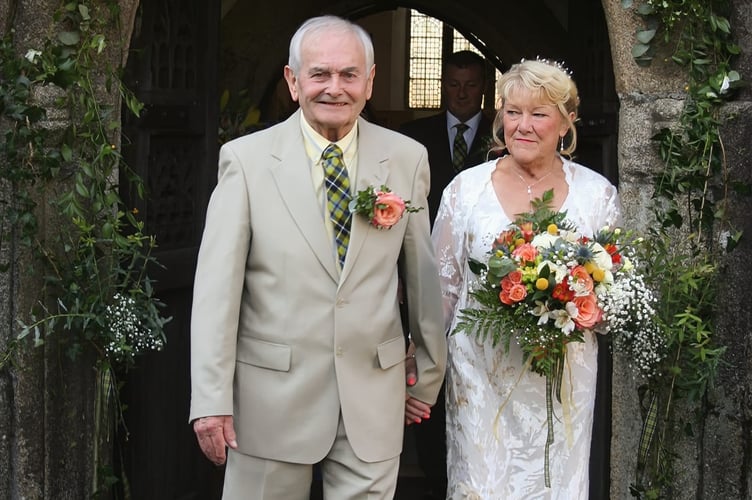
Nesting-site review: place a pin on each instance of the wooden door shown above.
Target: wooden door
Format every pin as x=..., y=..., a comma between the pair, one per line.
x=172, y=68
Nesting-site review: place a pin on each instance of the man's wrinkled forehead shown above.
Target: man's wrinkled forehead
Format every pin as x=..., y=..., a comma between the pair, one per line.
x=313, y=39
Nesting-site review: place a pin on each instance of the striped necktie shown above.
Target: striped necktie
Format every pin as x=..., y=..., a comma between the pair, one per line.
x=460, y=147
x=338, y=198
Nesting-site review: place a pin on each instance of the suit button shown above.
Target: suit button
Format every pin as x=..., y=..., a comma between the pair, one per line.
x=339, y=352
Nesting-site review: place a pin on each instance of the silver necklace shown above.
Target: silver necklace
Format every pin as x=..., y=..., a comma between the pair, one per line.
x=531, y=186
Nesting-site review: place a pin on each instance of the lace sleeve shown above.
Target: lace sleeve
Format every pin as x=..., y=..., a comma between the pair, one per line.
x=603, y=210
x=595, y=202
x=448, y=237
x=612, y=208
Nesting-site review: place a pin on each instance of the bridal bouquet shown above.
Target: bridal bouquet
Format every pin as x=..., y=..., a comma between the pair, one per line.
x=545, y=285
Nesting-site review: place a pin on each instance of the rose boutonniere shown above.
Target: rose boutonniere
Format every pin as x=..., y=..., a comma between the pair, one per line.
x=381, y=207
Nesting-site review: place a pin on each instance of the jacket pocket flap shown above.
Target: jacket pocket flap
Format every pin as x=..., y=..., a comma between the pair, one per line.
x=264, y=354
x=391, y=352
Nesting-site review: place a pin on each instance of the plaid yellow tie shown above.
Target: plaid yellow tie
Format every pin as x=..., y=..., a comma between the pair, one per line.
x=338, y=198
x=460, y=147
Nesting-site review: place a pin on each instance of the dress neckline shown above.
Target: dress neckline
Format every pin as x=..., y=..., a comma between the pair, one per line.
x=567, y=169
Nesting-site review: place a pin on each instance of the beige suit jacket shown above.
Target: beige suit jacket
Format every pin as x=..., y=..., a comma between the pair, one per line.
x=279, y=338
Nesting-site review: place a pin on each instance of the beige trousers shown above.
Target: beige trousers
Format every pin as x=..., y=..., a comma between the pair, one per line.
x=345, y=476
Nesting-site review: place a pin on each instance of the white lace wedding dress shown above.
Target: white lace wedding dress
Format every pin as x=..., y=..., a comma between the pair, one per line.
x=495, y=455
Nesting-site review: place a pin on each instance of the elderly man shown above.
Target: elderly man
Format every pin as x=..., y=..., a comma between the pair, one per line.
x=297, y=351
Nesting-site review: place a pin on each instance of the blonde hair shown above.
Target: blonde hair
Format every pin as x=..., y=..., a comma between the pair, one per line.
x=550, y=83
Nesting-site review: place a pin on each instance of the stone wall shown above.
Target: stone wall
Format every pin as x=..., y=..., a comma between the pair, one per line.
x=46, y=400
x=716, y=461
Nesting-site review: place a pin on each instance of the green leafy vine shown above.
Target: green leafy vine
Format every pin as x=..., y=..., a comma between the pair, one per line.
x=692, y=229
x=97, y=296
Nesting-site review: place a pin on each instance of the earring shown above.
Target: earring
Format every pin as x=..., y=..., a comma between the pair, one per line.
x=561, y=145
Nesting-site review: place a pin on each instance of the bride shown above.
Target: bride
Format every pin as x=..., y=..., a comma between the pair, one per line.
x=496, y=409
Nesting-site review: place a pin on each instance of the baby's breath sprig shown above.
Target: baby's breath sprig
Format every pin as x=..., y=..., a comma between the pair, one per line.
x=129, y=335
x=630, y=309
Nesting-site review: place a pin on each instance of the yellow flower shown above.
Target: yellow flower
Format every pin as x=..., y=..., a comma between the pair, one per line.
x=541, y=283
x=552, y=229
x=598, y=274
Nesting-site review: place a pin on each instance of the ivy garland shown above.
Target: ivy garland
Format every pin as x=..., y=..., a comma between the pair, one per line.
x=690, y=206
x=97, y=296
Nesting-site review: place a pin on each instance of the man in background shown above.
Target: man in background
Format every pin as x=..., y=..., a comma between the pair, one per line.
x=456, y=138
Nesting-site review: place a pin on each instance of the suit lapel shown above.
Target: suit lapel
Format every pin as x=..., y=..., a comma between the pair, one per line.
x=373, y=170
x=293, y=181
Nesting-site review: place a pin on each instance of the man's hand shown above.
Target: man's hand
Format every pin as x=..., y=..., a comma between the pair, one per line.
x=214, y=435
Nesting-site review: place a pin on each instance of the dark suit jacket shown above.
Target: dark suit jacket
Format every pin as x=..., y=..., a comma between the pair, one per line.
x=432, y=133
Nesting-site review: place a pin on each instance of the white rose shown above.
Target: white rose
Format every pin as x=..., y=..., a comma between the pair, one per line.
x=570, y=236
x=544, y=240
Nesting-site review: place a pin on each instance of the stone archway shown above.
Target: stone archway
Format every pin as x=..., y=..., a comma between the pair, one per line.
x=717, y=462
x=262, y=60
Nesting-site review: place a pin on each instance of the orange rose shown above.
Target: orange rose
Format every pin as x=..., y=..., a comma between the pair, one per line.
x=526, y=252
x=513, y=293
x=589, y=314
x=387, y=210
x=512, y=289
x=508, y=281
x=517, y=293
x=515, y=276
x=582, y=278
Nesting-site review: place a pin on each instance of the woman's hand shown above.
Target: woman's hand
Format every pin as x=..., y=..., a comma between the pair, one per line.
x=411, y=367
x=416, y=411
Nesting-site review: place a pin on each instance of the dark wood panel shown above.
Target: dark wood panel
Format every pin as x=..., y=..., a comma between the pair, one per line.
x=173, y=147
